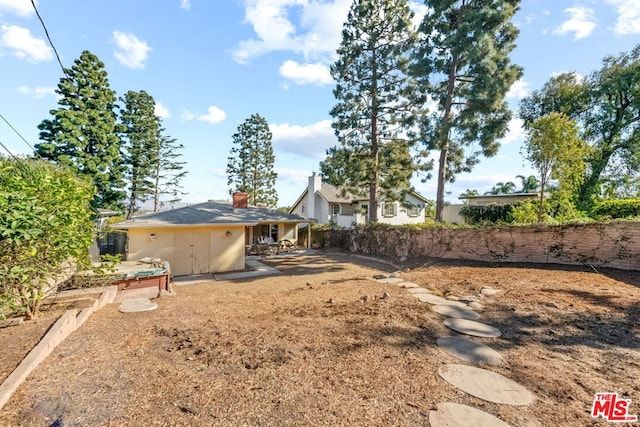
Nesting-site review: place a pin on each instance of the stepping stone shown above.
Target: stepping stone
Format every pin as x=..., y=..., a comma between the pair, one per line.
x=137, y=304
x=436, y=300
x=471, y=327
x=390, y=280
x=451, y=414
x=408, y=285
x=455, y=311
x=488, y=290
x=469, y=350
x=419, y=291
x=486, y=385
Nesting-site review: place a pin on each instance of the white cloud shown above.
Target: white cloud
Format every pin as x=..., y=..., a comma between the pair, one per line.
x=303, y=74
x=519, y=90
x=515, y=132
x=24, y=45
x=308, y=141
x=316, y=34
x=38, y=92
x=130, y=50
x=628, y=16
x=185, y=4
x=161, y=111
x=581, y=22
x=214, y=115
x=19, y=7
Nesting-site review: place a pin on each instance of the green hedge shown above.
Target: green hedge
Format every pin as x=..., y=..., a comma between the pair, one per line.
x=614, y=209
x=493, y=213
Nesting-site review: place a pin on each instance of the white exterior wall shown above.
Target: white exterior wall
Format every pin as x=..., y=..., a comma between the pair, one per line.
x=451, y=213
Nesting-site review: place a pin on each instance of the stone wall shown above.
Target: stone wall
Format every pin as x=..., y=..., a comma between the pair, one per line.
x=615, y=245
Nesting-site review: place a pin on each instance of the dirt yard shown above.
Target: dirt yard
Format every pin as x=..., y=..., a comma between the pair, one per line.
x=319, y=346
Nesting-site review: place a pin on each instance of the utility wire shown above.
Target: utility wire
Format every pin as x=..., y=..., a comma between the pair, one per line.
x=10, y=153
x=64, y=71
x=21, y=137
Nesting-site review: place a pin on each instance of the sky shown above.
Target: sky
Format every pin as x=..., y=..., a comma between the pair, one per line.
x=210, y=64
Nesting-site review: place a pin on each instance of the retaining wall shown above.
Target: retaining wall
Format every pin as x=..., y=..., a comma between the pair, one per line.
x=614, y=245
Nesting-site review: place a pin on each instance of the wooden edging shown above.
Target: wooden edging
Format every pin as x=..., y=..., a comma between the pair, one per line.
x=64, y=326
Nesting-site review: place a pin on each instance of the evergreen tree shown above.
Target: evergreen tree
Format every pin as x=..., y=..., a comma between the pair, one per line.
x=83, y=132
x=168, y=172
x=375, y=97
x=142, y=133
x=250, y=166
x=463, y=65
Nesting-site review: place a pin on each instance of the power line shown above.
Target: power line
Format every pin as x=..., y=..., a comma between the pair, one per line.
x=64, y=71
x=10, y=153
x=21, y=137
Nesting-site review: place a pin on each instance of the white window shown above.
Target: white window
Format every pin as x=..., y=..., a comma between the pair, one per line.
x=336, y=209
x=413, y=211
x=389, y=209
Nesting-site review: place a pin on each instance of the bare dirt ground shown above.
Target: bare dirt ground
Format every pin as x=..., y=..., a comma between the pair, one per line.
x=305, y=349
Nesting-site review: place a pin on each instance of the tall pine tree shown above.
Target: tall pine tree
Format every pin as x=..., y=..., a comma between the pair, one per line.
x=375, y=97
x=463, y=65
x=168, y=172
x=142, y=134
x=250, y=166
x=83, y=131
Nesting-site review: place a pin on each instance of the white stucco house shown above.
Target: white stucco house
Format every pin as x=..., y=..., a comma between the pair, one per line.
x=325, y=203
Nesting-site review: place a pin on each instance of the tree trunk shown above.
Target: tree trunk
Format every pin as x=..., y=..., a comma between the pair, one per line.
x=373, y=184
x=444, y=135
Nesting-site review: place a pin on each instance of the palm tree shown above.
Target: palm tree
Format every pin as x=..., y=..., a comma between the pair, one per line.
x=502, y=188
x=530, y=184
x=468, y=192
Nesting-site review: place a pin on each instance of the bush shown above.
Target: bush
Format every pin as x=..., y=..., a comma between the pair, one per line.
x=492, y=213
x=45, y=230
x=615, y=209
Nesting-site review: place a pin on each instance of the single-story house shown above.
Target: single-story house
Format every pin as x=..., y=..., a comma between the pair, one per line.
x=208, y=237
x=325, y=203
x=451, y=213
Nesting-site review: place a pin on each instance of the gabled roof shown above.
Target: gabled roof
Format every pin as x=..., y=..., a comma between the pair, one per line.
x=333, y=194
x=210, y=213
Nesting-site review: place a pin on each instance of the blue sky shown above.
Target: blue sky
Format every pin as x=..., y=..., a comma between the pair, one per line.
x=210, y=64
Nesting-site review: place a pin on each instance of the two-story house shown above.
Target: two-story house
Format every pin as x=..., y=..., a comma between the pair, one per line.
x=325, y=203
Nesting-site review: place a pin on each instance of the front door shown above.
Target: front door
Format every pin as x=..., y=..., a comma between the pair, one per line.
x=191, y=252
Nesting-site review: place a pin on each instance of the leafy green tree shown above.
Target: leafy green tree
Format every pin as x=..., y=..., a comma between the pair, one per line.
x=168, y=172
x=528, y=184
x=142, y=133
x=45, y=223
x=554, y=148
x=606, y=107
x=463, y=65
x=376, y=99
x=250, y=166
x=83, y=132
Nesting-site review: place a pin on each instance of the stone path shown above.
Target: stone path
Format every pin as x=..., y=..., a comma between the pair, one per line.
x=486, y=385
x=454, y=414
x=457, y=312
x=478, y=382
x=469, y=350
x=471, y=327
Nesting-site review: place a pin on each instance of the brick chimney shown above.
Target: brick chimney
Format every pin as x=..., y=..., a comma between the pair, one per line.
x=240, y=200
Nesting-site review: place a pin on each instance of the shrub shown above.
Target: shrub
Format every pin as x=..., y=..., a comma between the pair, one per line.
x=45, y=230
x=614, y=209
x=492, y=213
